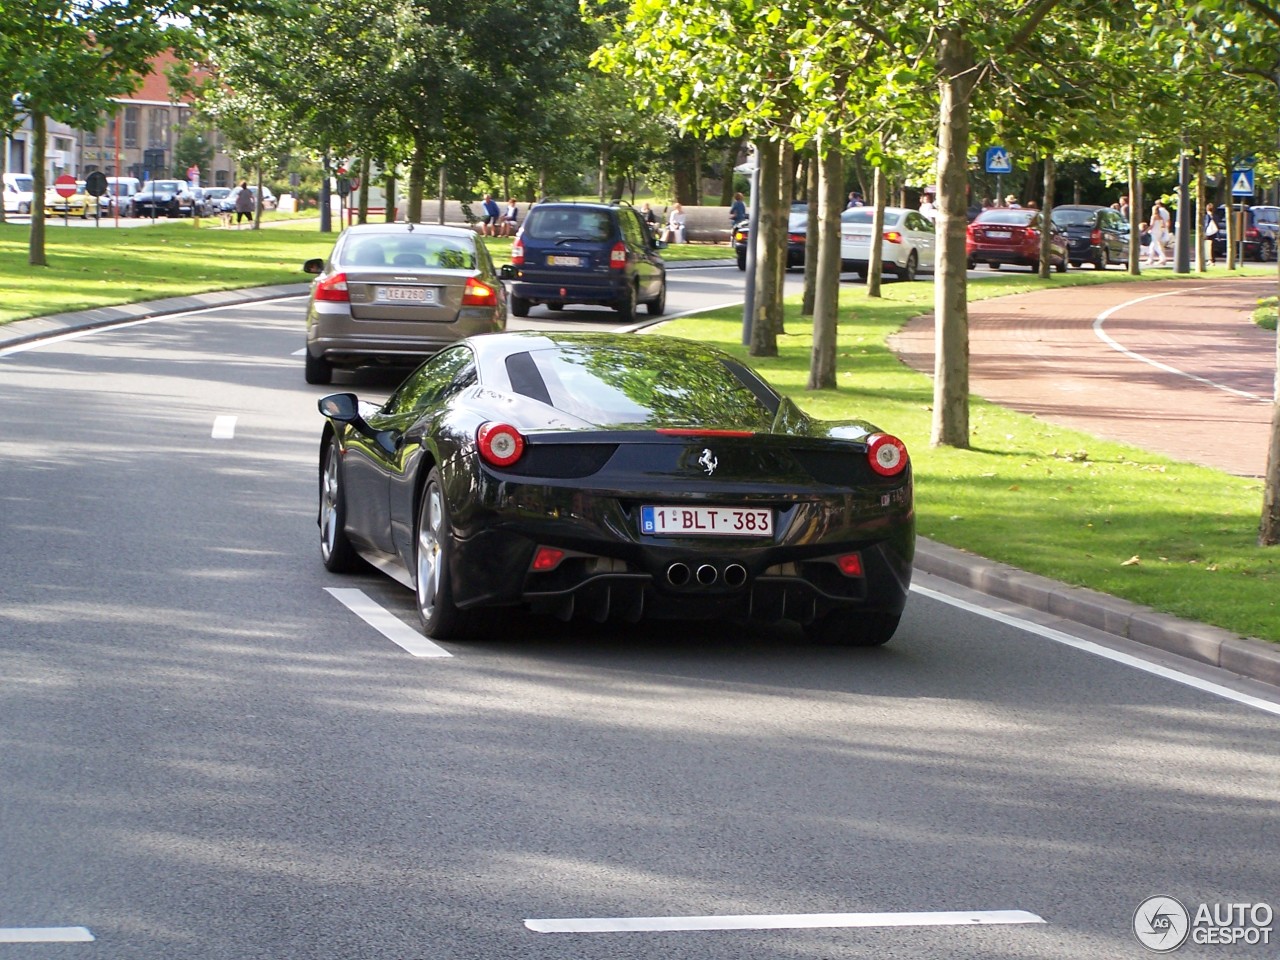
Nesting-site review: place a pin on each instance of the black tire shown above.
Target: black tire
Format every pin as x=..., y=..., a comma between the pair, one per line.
x=909, y=272
x=336, y=551
x=318, y=369
x=520, y=306
x=658, y=305
x=971, y=265
x=994, y=266
x=742, y=260
x=626, y=306
x=555, y=306
x=1061, y=265
x=1103, y=261
x=433, y=544
x=853, y=629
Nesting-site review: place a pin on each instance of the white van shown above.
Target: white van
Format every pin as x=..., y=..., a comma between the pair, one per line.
x=120, y=191
x=18, y=193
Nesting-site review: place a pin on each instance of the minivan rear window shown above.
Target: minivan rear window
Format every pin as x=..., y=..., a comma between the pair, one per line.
x=568, y=224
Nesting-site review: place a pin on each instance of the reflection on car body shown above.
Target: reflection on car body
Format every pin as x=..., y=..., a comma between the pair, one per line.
x=616, y=477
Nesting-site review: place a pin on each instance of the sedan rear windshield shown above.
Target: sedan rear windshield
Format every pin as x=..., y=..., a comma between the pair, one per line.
x=1018, y=218
x=409, y=252
x=652, y=386
x=1074, y=218
x=864, y=214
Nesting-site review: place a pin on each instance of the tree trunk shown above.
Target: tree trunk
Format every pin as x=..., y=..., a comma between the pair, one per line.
x=390, y=190
x=1135, y=215
x=811, y=230
x=1046, y=208
x=602, y=170
x=362, y=194
x=951, y=307
x=826, y=313
x=1202, y=258
x=35, y=242
x=1269, y=530
x=727, y=181
x=782, y=225
x=417, y=184
x=875, y=251
x=768, y=300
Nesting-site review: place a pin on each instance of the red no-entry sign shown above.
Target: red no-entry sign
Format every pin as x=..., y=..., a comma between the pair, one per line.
x=65, y=185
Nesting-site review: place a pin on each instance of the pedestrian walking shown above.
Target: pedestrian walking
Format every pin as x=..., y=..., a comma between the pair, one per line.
x=1159, y=233
x=737, y=210
x=245, y=204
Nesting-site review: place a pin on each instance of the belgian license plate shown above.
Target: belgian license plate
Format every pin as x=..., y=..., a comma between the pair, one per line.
x=857, y=236
x=999, y=234
x=560, y=261
x=406, y=294
x=670, y=521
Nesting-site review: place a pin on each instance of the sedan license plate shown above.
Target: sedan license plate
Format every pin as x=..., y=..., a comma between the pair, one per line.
x=406, y=295
x=999, y=234
x=560, y=261
x=669, y=521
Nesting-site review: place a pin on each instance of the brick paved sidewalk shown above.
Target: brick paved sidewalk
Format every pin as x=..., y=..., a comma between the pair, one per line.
x=1177, y=368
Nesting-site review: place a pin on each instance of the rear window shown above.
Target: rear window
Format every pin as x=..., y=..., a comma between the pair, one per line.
x=1074, y=218
x=568, y=223
x=864, y=215
x=408, y=252
x=1018, y=218
x=644, y=387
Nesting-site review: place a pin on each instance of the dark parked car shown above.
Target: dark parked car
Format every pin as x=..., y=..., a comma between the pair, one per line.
x=797, y=235
x=164, y=198
x=393, y=293
x=589, y=253
x=1095, y=234
x=1260, y=232
x=613, y=476
x=1012, y=235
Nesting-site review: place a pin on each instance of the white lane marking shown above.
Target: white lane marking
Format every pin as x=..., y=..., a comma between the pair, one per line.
x=298, y=353
x=45, y=935
x=783, y=921
x=224, y=428
x=1088, y=646
x=389, y=626
x=1133, y=355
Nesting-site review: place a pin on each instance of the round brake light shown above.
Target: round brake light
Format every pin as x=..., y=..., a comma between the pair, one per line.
x=887, y=455
x=500, y=443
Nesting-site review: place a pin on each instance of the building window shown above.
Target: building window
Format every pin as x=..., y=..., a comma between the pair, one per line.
x=91, y=138
x=158, y=128
x=222, y=178
x=131, y=127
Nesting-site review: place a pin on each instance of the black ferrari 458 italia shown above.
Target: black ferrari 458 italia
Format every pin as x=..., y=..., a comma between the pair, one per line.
x=616, y=476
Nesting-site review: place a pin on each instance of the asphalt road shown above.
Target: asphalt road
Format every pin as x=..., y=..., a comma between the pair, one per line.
x=207, y=752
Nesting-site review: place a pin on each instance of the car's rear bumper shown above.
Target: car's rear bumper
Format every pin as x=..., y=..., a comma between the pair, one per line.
x=343, y=341
x=613, y=571
x=601, y=289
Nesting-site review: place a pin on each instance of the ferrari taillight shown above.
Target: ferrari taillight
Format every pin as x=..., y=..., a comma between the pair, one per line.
x=333, y=289
x=618, y=256
x=850, y=564
x=887, y=455
x=477, y=294
x=517, y=252
x=500, y=443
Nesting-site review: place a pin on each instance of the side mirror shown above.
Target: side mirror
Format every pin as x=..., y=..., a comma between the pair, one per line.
x=342, y=407
x=314, y=265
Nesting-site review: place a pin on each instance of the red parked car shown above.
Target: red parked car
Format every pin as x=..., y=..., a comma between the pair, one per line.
x=1013, y=236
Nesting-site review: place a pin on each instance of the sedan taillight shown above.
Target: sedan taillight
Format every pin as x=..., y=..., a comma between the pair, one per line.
x=333, y=289
x=477, y=294
x=500, y=443
x=887, y=455
x=893, y=236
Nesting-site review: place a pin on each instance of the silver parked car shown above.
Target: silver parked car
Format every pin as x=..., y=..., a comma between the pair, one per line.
x=393, y=293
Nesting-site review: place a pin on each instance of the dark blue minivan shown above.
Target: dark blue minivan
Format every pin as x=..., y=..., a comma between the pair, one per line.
x=586, y=253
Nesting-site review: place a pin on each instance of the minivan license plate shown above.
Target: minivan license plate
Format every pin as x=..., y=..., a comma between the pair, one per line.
x=558, y=261
x=671, y=521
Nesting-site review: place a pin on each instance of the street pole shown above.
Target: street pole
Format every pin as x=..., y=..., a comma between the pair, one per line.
x=326, y=215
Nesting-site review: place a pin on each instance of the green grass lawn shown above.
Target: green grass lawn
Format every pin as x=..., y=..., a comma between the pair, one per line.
x=1175, y=537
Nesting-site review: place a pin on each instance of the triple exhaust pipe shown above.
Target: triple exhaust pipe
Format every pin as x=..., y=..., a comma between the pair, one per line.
x=706, y=575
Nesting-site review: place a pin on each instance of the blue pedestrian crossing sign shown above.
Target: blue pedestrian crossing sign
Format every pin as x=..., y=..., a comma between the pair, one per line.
x=998, y=160
x=1242, y=183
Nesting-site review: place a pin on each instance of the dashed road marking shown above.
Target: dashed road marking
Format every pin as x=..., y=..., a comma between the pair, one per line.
x=783, y=921
x=391, y=627
x=45, y=935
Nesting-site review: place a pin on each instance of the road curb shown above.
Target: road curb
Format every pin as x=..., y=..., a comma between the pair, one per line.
x=1245, y=656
